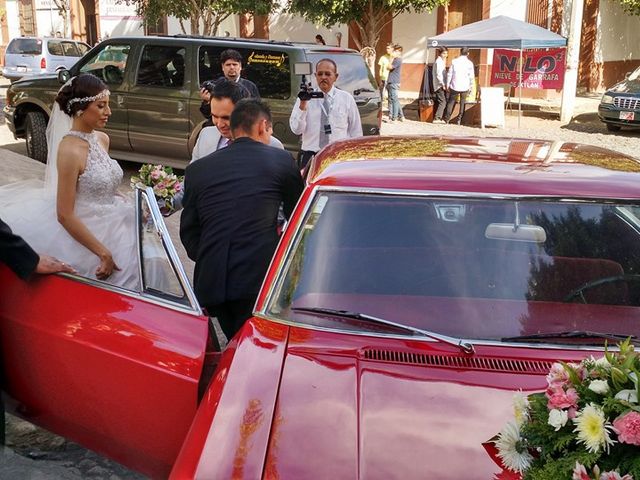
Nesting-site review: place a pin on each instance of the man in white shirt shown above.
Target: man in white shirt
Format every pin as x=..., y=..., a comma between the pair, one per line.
x=321, y=121
x=439, y=76
x=461, y=78
x=224, y=96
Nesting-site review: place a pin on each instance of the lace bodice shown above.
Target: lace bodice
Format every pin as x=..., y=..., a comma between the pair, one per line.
x=102, y=175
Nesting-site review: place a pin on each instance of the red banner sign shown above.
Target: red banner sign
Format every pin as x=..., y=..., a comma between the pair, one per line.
x=540, y=69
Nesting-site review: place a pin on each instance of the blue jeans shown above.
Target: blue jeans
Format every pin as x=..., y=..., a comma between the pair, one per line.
x=395, y=111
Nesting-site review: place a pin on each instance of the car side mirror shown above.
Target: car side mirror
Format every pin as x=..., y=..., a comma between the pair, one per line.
x=64, y=75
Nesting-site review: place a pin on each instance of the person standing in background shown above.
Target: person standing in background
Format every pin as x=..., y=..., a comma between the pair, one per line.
x=320, y=40
x=461, y=78
x=383, y=68
x=393, y=85
x=439, y=74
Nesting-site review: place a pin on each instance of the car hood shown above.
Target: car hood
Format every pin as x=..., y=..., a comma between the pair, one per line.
x=344, y=416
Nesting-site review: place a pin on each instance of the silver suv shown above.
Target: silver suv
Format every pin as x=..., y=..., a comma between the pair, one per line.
x=30, y=56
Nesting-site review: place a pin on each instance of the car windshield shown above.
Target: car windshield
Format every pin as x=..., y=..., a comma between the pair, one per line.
x=473, y=268
x=353, y=75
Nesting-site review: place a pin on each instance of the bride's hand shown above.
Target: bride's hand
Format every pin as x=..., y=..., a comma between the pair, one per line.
x=106, y=267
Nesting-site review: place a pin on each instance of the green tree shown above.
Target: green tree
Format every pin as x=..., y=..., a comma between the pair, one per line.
x=204, y=16
x=369, y=16
x=632, y=7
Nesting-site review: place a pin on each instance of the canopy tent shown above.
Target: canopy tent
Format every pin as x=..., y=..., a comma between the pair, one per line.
x=499, y=32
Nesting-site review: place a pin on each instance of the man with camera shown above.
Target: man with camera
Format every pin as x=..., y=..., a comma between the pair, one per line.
x=231, y=65
x=324, y=116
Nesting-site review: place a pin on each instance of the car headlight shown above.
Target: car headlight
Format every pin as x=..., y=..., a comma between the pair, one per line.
x=607, y=99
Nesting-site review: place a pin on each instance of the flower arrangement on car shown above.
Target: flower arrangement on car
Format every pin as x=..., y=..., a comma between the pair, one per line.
x=165, y=184
x=585, y=426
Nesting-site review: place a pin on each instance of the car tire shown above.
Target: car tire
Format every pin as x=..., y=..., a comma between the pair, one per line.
x=35, y=136
x=613, y=128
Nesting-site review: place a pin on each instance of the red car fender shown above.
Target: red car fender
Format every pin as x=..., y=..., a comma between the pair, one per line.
x=230, y=432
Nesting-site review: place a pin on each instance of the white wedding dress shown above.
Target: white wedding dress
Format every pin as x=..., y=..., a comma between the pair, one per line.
x=30, y=211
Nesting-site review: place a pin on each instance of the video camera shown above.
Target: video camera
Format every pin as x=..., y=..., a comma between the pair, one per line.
x=306, y=90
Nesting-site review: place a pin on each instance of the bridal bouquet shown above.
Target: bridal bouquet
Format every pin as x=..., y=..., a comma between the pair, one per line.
x=586, y=426
x=166, y=184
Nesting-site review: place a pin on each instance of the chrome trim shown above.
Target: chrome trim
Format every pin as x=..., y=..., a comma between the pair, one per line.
x=130, y=293
x=169, y=248
x=627, y=103
x=275, y=286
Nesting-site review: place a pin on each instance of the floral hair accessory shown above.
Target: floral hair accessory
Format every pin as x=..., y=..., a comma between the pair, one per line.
x=104, y=93
x=584, y=426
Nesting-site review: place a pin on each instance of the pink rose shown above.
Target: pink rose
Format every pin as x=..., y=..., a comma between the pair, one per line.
x=627, y=427
x=155, y=174
x=558, y=398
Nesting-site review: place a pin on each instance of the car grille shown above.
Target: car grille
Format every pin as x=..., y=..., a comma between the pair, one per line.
x=459, y=362
x=627, y=103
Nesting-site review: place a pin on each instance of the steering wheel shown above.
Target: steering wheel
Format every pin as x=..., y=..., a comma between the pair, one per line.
x=578, y=292
x=112, y=74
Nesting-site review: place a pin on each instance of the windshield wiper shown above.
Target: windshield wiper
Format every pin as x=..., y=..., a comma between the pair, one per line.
x=466, y=347
x=569, y=334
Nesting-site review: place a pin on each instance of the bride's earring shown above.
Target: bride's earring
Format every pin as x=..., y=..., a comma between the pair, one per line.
x=79, y=112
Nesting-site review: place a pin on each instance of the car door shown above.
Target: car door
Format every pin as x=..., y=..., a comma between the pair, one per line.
x=55, y=55
x=111, y=62
x=114, y=370
x=158, y=103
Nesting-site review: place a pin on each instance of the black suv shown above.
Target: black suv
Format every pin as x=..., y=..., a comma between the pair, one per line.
x=620, y=105
x=155, y=84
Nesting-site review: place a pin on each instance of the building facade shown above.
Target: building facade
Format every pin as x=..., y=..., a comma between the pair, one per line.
x=609, y=40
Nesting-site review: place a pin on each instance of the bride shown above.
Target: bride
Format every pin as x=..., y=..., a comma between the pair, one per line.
x=78, y=216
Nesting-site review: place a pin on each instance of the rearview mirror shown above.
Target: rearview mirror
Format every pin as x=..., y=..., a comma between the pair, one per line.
x=302, y=68
x=516, y=233
x=64, y=76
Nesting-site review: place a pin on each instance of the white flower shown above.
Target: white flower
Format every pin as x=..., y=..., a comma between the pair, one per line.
x=512, y=450
x=630, y=396
x=520, y=407
x=558, y=418
x=599, y=386
x=593, y=429
x=602, y=362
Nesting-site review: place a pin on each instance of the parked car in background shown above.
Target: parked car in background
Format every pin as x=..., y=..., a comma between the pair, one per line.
x=155, y=91
x=33, y=56
x=418, y=284
x=620, y=104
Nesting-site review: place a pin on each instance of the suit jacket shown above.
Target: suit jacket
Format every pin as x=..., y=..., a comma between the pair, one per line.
x=229, y=222
x=16, y=253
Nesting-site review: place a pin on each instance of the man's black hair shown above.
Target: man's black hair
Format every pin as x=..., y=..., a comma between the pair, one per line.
x=223, y=88
x=464, y=51
x=247, y=113
x=230, y=54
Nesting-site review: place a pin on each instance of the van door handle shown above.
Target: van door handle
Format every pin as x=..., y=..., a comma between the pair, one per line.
x=119, y=100
x=180, y=107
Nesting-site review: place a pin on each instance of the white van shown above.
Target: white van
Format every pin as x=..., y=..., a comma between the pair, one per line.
x=30, y=56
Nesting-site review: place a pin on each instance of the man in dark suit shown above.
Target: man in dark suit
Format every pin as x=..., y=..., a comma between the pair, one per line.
x=229, y=222
x=24, y=261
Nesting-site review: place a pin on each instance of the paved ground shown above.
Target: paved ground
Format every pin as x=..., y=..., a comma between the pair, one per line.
x=33, y=453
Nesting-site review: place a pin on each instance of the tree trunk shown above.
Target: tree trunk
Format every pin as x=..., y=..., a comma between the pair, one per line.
x=182, y=27
x=195, y=24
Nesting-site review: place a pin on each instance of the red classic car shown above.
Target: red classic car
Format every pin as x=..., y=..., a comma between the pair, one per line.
x=420, y=282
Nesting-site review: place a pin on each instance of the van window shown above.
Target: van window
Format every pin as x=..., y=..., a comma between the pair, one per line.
x=25, y=46
x=55, y=48
x=108, y=63
x=83, y=48
x=162, y=66
x=70, y=49
x=268, y=69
